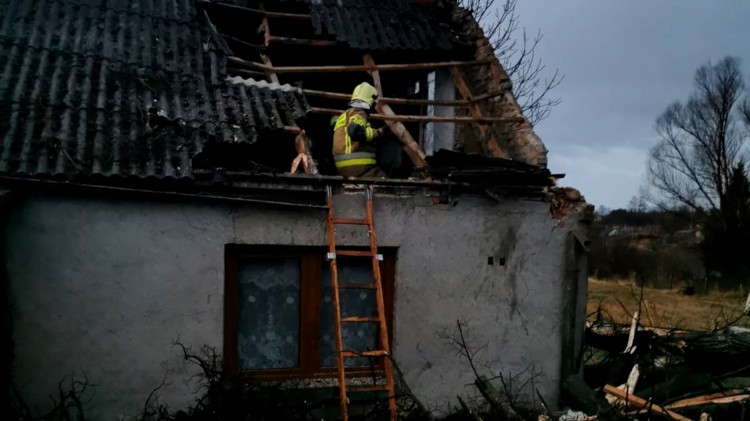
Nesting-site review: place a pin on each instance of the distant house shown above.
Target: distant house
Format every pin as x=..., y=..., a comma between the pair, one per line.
x=145, y=161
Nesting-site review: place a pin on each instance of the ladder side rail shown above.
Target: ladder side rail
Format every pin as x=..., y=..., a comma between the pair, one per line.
x=336, y=303
x=383, y=330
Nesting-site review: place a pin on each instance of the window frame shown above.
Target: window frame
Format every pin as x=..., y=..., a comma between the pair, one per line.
x=311, y=259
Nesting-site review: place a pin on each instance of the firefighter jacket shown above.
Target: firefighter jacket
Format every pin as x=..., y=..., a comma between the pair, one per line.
x=354, y=140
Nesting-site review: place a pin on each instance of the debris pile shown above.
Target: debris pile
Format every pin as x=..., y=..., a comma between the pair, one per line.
x=637, y=372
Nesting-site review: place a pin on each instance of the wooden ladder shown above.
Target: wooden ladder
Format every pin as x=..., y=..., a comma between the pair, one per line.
x=383, y=353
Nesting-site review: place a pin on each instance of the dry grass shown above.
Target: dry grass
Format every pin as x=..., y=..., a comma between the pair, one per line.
x=666, y=308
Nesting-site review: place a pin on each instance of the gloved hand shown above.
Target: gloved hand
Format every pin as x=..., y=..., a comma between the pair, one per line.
x=382, y=131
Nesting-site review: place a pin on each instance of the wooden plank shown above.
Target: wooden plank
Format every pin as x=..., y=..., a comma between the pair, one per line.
x=304, y=156
x=634, y=400
x=248, y=73
x=386, y=100
x=270, y=74
x=735, y=395
x=302, y=41
x=412, y=149
x=629, y=348
x=372, y=70
x=356, y=68
x=488, y=137
x=387, y=114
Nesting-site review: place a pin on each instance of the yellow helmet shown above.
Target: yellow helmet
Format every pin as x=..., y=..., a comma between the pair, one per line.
x=364, y=94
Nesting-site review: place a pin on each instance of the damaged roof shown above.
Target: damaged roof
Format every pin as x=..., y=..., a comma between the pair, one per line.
x=374, y=25
x=138, y=89
x=122, y=87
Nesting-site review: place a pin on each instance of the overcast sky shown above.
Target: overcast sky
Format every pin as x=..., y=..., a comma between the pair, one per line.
x=624, y=61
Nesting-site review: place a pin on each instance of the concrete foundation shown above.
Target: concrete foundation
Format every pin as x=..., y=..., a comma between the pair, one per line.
x=105, y=286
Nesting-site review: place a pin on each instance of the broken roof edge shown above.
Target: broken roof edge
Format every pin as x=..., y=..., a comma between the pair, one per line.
x=266, y=188
x=524, y=145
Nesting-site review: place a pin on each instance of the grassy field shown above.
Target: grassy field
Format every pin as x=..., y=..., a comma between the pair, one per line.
x=666, y=308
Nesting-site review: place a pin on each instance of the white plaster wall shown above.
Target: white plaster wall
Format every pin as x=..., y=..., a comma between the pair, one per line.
x=106, y=286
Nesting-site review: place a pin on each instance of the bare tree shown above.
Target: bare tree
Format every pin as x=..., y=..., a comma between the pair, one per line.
x=701, y=140
x=700, y=162
x=516, y=51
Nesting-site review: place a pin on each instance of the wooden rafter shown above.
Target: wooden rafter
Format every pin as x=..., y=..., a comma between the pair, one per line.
x=302, y=41
x=355, y=68
x=270, y=74
x=408, y=101
x=301, y=143
x=411, y=147
x=487, y=134
x=390, y=116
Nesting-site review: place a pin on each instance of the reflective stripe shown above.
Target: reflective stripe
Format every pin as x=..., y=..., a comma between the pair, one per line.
x=354, y=155
x=355, y=162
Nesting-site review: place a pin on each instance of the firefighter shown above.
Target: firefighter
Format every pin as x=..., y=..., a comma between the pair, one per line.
x=354, y=150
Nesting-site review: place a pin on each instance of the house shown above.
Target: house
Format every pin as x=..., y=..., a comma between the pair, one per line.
x=147, y=196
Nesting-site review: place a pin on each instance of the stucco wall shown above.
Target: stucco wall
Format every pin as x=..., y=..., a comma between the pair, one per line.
x=105, y=286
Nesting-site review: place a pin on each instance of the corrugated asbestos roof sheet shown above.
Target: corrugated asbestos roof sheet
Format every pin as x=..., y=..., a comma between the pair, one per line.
x=121, y=87
x=380, y=24
x=375, y=24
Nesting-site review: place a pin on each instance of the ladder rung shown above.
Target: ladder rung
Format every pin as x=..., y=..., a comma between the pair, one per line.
x=349, y=221
x=358, y=286
x=356, y=253
x=359, y=319
x=367, y=388
x=360, y=253
x=374, y=353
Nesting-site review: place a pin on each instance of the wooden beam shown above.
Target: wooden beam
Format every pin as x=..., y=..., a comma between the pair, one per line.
x=409, y=101
x=249, y=73
x=412, y=149
x=242, y=42
x=270, y=74
x=302, y=145
x=355, y=68
x=372, y=70
x=405, y=101
x=633, y=400
x=263, y=12
x=736, y=395
x=491, y=143
x=302, y=41
x=391, y=116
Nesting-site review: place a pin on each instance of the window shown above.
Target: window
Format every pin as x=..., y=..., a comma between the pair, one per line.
x=278, y=320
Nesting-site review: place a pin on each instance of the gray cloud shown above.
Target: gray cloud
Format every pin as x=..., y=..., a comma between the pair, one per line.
x=624, y=62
